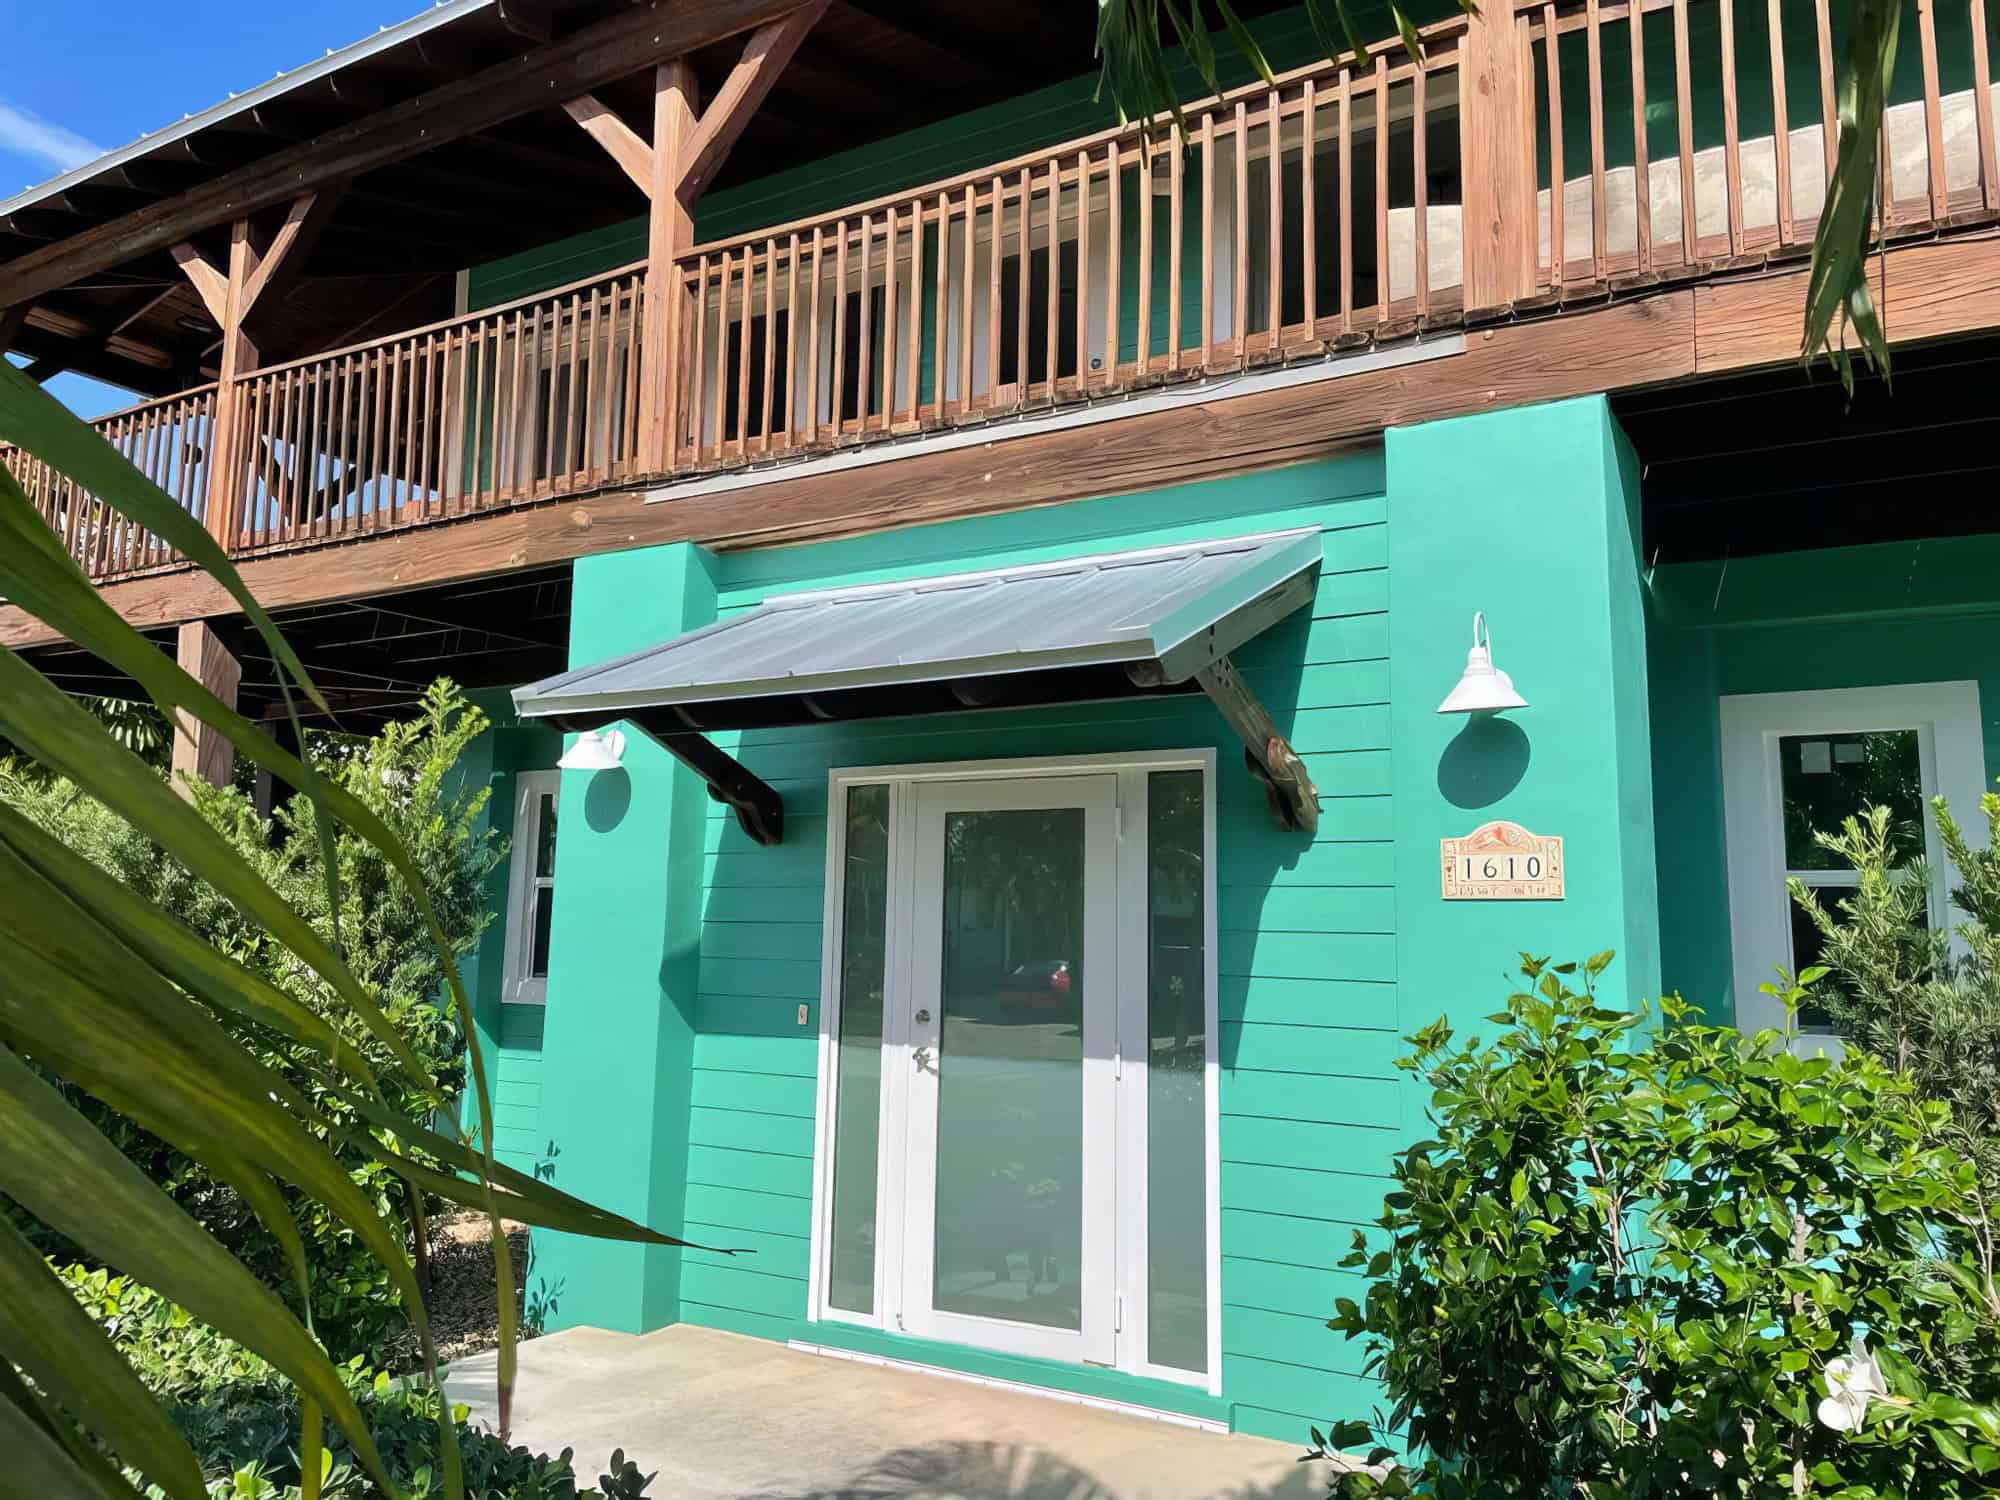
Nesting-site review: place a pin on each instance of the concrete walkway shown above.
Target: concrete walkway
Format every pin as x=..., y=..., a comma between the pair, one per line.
x=724, y=1417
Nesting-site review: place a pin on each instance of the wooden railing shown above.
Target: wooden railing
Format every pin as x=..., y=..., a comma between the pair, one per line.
x=166, y=440
x=1750, y=92
x=1523, y=158
x=1106, y=263
x=512, y=404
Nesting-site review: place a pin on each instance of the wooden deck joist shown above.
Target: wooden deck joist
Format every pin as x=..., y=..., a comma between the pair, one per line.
x=1933, y=290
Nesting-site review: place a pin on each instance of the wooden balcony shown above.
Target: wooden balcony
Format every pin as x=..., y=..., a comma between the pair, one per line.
x=1354, y=203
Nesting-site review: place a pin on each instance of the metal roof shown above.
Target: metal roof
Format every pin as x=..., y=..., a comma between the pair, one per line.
x=1107, y=609
x=440, y=14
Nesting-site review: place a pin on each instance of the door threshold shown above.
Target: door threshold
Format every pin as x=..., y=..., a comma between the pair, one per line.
x=1048, y=1393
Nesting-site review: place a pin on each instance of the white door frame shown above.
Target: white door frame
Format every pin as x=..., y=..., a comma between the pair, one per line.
x=1129, y=1065
x=1951, y=757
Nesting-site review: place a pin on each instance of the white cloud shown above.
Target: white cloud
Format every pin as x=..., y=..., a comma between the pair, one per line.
x=29, y=135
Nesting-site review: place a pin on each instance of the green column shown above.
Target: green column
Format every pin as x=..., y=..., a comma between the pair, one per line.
x=1532, y=516
x=617, y=1058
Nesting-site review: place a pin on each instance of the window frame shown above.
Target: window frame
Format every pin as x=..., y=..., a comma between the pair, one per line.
x=1951, y=762
x=519, y=987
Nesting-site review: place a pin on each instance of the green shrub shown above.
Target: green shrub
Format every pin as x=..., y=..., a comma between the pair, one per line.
x=242, y=1418
x=1898, y=988
x=406, y=774
x=1627, y=1257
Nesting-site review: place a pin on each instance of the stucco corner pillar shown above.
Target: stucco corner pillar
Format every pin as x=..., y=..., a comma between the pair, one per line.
x=618, y=1039
x=1532, y=516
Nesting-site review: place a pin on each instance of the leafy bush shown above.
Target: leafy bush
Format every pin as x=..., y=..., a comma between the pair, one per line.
x=405, y=774
x=242, y=1418
x=1897, y=988
x=1629, y=1261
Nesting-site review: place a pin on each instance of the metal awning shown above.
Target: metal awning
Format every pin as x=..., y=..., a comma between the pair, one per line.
x=1114, y=625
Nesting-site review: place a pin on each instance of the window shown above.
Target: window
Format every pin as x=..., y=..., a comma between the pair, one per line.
x=1796, y=765
x=531, y=887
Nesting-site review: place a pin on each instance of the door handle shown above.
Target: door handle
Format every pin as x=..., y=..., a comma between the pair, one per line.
x=922, y=1058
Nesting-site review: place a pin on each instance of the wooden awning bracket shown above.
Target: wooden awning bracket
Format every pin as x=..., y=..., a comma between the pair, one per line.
x=1269, y=755
x=760, y=811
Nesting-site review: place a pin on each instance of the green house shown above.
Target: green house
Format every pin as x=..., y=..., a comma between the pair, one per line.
x=1026, y=657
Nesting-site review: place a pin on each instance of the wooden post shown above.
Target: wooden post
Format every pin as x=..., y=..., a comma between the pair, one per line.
x=12, y=320
x=230, y=297
x=687, y=149
x=239, y=358
x=1494, y=112
x=200, y=751
x=669, y=232
x=270, y=793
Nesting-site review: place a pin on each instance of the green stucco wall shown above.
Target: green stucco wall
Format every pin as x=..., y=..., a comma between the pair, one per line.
x=1839, y=618
x=679, y=1083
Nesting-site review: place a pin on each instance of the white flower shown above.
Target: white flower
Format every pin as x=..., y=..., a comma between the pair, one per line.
x=1851, y=1383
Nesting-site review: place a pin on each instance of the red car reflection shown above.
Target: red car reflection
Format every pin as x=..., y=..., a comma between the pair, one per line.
x=1042, y=983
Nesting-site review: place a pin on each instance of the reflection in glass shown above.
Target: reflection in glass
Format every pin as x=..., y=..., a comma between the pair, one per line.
x=545, y=839
x=1009, y=1228
x=542, y=891
x=858, y=1104
x=1827, y=778
x=1176, y=1119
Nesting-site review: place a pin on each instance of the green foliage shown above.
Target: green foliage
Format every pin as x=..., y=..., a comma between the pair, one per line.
x=103, y=995
x=1625, y=1259
x=241, y=1419
x=405, y=775
x=1897, y=988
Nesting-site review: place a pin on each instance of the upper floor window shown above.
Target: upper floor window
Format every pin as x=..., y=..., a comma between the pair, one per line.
x=531, y=887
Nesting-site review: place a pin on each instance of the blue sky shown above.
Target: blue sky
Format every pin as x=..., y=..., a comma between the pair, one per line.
x=85, y=76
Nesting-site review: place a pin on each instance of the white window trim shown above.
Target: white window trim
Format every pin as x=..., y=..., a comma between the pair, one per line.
x=517, y=988
x=1132, y=768
x=1951, y=751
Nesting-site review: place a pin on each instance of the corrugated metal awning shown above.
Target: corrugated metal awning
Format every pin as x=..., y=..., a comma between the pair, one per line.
x=1113, y=609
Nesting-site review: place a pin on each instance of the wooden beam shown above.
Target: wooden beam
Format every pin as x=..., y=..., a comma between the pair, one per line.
x=669, y=232
x=1495, y=124
x=1644, y=342
x=587, y=59
x=100, y=334
x=239, y=358
x=208, y=279
x=764, y=58
x=619, y=140
x=1925, y=291
x=200, y=751
x=1288, y=788
x=286, y=256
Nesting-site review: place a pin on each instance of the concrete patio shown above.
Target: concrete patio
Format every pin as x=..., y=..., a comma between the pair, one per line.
x=723, y=1417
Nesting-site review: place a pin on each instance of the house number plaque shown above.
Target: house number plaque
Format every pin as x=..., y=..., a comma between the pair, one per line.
x=1502, y=861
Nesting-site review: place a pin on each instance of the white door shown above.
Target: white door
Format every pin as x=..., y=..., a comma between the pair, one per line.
x=1010, y=1188
x=1796, y=764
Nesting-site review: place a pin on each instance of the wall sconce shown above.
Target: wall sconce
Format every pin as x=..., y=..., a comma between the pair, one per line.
x=1482, y=688
x=595, y=750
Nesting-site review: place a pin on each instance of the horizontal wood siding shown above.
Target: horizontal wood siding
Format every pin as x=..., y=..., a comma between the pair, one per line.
x=517, y=1089
x=1311, y=1106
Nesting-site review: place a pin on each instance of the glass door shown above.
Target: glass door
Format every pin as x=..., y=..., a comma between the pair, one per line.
x=1010, y=1191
